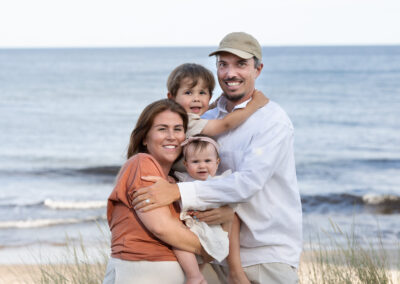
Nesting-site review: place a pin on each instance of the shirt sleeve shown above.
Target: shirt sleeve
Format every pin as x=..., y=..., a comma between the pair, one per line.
x=269, y=147
x=129, y=178
x=196, y=125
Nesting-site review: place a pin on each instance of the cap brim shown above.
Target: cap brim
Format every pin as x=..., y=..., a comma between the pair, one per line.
x=237, y=52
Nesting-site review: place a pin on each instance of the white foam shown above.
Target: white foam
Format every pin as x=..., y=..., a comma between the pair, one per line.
x=22, y=224
x=35, y=223
x=375, y=199
x=75, y=204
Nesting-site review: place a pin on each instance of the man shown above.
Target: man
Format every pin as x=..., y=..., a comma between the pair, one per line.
x=260, y=153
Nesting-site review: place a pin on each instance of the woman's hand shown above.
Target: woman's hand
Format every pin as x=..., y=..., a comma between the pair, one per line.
x=214, y=216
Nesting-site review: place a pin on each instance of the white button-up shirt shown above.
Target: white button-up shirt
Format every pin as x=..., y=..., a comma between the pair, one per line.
x=260, y=153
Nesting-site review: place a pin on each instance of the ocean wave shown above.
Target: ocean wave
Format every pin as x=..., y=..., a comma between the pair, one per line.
x=90, y=204
x=375, y=203
x=375, y=199
x=58, y=204
x=106, y=171
x=381, y=163
x=101, y=170
x=36, y=223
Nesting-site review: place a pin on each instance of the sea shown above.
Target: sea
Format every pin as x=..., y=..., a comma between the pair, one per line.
x=66, y=116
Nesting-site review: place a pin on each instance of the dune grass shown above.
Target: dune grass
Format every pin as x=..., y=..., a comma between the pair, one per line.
x=348, y=261
x=78, y=264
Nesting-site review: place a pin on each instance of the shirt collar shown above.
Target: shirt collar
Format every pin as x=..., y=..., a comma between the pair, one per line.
x=221, y=105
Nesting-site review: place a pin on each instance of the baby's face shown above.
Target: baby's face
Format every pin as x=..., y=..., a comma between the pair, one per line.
x=193, y=99
x=201, y=163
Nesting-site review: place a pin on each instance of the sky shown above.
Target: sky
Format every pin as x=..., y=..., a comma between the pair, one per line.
x=125, y=23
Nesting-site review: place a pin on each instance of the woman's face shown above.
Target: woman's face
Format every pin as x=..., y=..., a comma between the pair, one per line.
x=163, y=141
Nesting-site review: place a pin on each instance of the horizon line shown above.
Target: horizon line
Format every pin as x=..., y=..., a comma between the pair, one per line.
x=195, y=46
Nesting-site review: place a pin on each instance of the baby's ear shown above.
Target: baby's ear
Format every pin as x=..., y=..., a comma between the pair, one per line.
x=218, y=161
x=169, y=95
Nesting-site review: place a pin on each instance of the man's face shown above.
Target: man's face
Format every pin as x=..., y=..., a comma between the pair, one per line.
x=236, y=76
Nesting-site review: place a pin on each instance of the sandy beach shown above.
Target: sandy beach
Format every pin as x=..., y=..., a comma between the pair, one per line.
x=30, y=273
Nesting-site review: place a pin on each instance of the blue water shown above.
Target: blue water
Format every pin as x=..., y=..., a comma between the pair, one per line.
x=66, y=116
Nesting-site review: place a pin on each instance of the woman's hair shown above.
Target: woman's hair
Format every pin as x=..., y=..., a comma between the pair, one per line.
x=145, y=122
x=199, y=142
x=192, y=71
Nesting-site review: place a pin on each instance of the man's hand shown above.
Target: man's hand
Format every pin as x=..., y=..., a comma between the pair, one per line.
x=161, y=193
x=214, y=216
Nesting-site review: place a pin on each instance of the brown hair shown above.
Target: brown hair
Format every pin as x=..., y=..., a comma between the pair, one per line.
x=192, y=71
x=198, y=145
x=145, y=122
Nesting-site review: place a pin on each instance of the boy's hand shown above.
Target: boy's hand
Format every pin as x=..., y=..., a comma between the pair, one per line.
x=258, y=100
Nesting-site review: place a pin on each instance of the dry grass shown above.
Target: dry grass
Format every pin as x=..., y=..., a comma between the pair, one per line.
x=340, y=262
x=350, y=261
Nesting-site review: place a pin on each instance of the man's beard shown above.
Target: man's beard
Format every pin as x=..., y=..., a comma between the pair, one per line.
x=234, y=98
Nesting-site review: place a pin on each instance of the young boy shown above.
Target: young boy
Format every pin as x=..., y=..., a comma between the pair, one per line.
x=191, y=86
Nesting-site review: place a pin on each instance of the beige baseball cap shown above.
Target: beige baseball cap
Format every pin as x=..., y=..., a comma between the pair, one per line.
x=241, y=44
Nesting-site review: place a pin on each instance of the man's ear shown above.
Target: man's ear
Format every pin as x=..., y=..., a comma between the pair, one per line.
x=169, y=95
x=259, y=68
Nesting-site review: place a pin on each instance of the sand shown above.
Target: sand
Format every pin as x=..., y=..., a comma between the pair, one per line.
x=24, y=273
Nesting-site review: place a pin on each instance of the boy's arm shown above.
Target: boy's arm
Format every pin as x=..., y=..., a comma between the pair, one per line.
x=234, y=119
x=236, y=273
x=188, y=262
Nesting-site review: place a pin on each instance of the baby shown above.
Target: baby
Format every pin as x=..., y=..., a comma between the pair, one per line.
x=201, y=159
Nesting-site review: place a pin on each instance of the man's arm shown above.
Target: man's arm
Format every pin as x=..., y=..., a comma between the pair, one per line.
x=232, y=120
x=269, y=146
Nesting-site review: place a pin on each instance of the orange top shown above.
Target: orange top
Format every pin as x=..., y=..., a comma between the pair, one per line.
x=130, y=239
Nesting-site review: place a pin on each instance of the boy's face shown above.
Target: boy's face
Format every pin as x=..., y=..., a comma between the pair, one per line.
x=201, y=163
x=192, y=99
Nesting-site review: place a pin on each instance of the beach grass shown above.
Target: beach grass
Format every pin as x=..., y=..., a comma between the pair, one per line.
x=77, y=264
x=347, y=259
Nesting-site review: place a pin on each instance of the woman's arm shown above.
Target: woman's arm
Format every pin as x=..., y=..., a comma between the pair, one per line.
x=170, y=230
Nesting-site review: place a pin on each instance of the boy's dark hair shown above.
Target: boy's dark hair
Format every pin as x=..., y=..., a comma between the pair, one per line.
x=192, y=71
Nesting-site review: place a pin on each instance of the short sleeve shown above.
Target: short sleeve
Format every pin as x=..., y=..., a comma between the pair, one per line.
x=129, y=179
x=196, y=124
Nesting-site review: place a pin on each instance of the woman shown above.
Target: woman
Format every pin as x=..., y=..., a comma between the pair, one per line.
x=141, y=241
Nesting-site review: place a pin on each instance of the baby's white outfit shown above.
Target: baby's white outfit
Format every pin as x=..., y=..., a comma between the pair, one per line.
x=213, y=239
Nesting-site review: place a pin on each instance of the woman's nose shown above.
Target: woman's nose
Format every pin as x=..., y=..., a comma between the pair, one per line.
x=171, y=134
